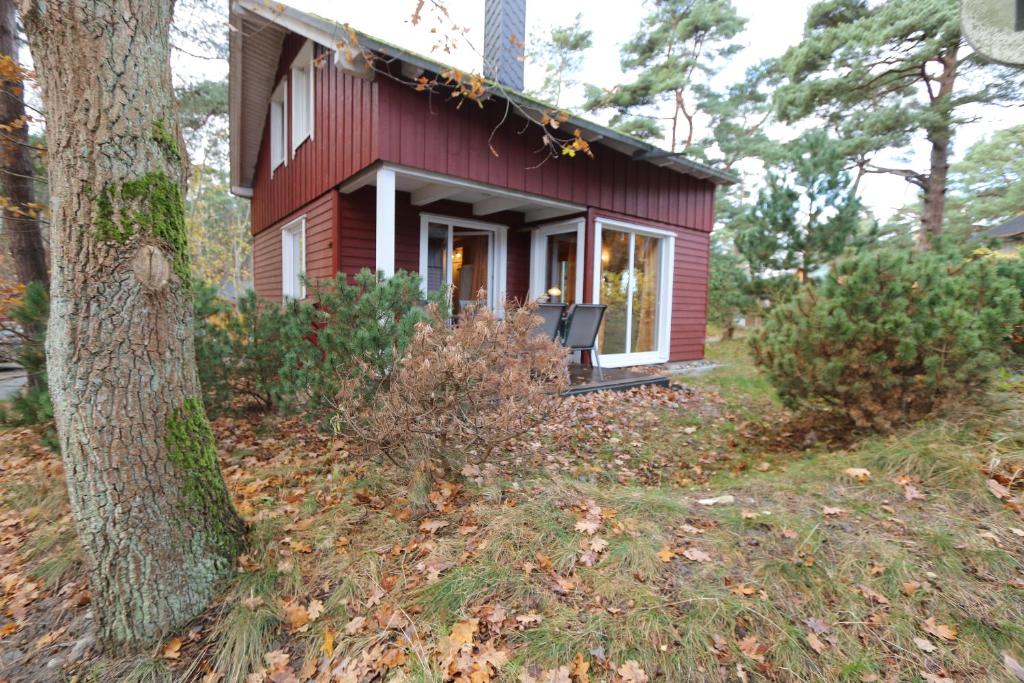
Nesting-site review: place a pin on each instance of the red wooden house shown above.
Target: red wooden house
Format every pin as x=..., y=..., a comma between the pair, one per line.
x=349, y=167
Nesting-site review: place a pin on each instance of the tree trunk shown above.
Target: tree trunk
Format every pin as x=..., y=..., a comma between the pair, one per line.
x=934, y=208
x=149, y=501
x=940, y=136
x=20, y=216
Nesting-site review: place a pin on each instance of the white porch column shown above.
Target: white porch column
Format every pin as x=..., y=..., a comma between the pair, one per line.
x=385, y=222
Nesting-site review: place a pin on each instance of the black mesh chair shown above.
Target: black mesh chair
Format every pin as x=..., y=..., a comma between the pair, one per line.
x=581, y=327
x=551, y=320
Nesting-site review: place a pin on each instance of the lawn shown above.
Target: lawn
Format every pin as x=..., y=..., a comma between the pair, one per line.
x=686, y=534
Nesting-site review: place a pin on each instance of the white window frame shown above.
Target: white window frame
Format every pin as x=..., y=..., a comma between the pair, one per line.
x=293, y=286
x=302, y=101
x=497, y=276
x=539, y=254
x=279, y=126
x=663, y=323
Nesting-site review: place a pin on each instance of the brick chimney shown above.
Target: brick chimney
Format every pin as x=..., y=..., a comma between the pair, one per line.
x=503, y=20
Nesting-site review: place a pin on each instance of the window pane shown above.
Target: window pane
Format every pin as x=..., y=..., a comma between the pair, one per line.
x=437, y=257
x=614, y=290
x=645, y=295
x=561, y=266
x=470, y=257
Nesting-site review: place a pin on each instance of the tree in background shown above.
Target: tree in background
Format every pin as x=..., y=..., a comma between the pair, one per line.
x=728, y=287
x=20, y=210
x=680, y=46
x=882, y=74
x=987, y=186
x=562, y=56
x=805, y=216
x=217, y=221
x=154, y=519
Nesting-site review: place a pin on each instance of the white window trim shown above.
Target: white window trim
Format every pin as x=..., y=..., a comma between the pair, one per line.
x=303, y=61
x=538, y=254
x=666, y=254
x=275, y=162
x=288, y=232
x=498, y=275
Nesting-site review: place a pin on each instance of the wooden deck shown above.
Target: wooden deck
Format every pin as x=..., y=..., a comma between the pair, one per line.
x=584, y=380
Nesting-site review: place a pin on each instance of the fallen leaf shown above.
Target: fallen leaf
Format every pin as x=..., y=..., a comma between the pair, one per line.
x=462, y=632
x=817, y=625
x=816, y=643
x=720, y=500
x=831, y=511
x=998, y=490
x=172, y=650
x=355, y=626
x=328, y=644
x=630, y=672
x=910, y=587
x=743, y=589
x=432, y=525
x=939, y=630
x=858, y=473
x=696, y=555
x=910, y=493
x=752, y=648
x=924, y=645
x=588, y=526
x=580, y=669
x=666, y=554
x=1012, y=666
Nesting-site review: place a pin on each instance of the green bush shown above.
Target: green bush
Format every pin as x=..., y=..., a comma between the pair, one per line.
x=1011, y=266
x=889, y=335
x=354, y=333
x=239, y=348
x=31, y=407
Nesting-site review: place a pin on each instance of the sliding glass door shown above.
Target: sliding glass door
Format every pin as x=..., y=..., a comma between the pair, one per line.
x=633, y=279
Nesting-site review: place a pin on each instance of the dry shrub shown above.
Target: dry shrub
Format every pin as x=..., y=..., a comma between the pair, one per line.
x=460, y=391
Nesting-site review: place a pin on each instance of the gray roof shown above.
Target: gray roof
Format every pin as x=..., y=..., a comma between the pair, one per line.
x=1011, y=228
x=257, y=32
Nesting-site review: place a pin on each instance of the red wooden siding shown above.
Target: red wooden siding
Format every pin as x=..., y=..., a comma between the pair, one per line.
x=427, y=132
x=344, y=141
x=266, y=250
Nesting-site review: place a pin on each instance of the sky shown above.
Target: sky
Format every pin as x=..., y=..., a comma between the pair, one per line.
x=771, y=28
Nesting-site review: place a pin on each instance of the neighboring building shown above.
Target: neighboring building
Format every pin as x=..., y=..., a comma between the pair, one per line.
x=349, y=168
x=1010, y=234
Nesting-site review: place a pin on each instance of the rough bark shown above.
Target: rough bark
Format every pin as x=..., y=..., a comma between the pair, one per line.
x=149, y=501
x=940, y=137
x=24, y=234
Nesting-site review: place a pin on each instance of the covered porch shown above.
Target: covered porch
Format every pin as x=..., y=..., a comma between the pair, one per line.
x=489, y=245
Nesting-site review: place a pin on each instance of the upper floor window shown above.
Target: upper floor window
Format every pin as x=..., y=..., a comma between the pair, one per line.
x=302, y=95
x=293, y=259
x=279, y=125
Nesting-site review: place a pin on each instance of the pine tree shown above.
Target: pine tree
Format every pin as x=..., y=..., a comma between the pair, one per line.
x=728, y=287
x=562, y=56
x=883, y=74
x=987, y=185
x=805, y=216
x=680, y=46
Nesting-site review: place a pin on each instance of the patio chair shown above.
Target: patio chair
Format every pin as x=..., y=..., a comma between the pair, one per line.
x=580, y=333
x=551, y=320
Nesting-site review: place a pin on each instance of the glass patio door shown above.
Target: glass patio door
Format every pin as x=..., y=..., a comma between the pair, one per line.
x=464, y=259
x=633, y=282
x=556, y=262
